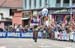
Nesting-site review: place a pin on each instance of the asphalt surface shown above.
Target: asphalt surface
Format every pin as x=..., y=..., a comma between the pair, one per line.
x=29, y=43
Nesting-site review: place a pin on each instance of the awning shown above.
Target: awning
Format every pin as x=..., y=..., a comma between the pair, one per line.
x=61, y=12
x=64, y=12
x=10, y=17
x=26, y=18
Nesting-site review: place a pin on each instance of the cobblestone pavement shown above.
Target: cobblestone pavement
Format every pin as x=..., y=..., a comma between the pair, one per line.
x=29, y=43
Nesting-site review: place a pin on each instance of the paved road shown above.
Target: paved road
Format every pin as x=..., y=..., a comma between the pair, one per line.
x=29, y=43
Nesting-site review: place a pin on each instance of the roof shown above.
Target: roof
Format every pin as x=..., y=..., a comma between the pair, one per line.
x=11, y=3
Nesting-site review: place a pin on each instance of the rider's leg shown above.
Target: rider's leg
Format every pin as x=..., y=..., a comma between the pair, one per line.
x=35, y=36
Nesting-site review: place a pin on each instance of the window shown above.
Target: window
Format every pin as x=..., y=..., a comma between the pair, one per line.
x=1, y=15
x=40, y=2
x=12, y=12
x=46, y=2
x=8, y=23
x=35, y=3
x=25, y=3
x=66, y=1
x=58, y=1
x=73, y=1
x=29, y=3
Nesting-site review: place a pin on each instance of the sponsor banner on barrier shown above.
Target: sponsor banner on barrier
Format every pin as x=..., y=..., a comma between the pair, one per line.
x=18, y=34
x=2, y=34
x=30, y=34
x=39, y=34
x=74, y=36
x=26, y=34
x=13, y=34
x=71, y=35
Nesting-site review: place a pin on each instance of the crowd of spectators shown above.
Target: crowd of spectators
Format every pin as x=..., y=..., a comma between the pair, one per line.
x=53, y=31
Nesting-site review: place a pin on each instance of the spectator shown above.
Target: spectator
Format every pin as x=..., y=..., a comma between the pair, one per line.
x=1, y=30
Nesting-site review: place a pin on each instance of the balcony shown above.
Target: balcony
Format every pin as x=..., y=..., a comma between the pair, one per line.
x=25, y=17
x=58, y=5
x=2, y=19
x=5, y=18
x=66, y=5
x=73, y=5
x=9, y=17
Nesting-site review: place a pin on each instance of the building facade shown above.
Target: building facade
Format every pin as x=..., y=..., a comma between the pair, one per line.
x=8, y=9
x=57, y=8
x=39, y=4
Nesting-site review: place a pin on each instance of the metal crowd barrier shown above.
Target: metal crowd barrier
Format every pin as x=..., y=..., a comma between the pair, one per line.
x=3, y=34
x=65, y=36
x=18, y=34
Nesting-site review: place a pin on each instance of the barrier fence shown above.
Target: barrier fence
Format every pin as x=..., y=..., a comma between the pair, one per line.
x=65, y=36
x=58, y=36
x=18, y=34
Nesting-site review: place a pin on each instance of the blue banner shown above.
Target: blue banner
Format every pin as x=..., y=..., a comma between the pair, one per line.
x=18, y=34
